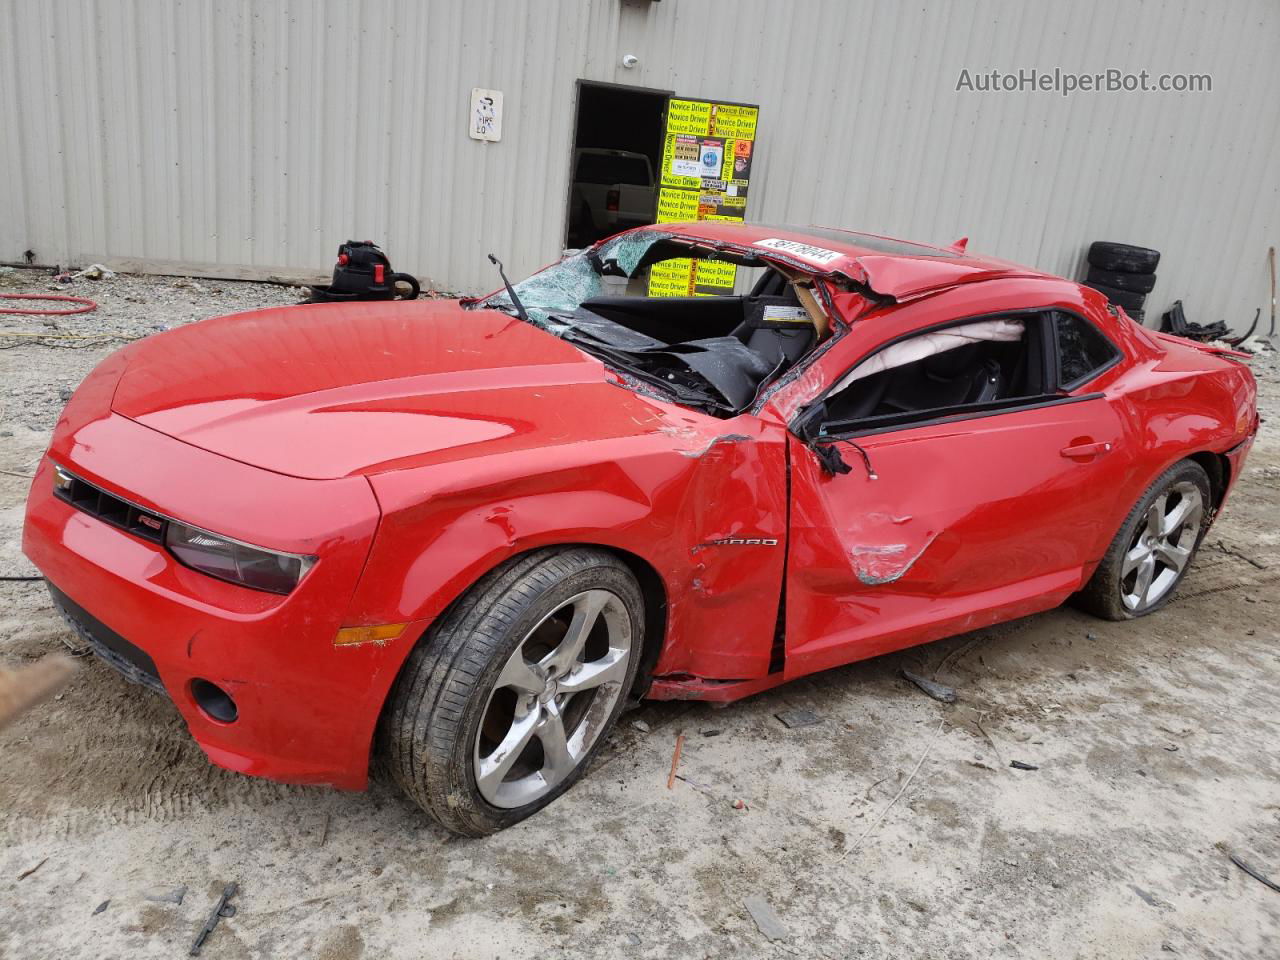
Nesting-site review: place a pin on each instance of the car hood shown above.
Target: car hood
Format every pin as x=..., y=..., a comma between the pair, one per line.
x=325, y=391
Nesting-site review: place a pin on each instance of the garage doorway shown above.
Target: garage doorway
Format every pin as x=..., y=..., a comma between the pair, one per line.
x=617, y=149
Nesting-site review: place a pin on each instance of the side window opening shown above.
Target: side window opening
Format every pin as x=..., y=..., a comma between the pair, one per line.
x=1083, y=352
x=989, y=362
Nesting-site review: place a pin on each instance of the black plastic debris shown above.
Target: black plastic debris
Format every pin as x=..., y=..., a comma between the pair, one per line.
x=1254, y=872
x=1175, y=321
x=222, y=910
x=798, y=718
x=100, y=907
x=1020, y=765
x=939, y=691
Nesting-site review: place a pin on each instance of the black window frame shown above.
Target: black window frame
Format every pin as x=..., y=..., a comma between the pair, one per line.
x=802, y=424
x=1116, y=353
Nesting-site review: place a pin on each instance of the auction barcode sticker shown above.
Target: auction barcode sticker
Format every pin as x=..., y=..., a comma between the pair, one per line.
x=805, y=251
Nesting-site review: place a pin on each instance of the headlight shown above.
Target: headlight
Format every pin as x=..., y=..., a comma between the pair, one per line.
x=234, y=561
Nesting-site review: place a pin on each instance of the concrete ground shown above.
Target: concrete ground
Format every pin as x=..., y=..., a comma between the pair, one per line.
x=1154, y=742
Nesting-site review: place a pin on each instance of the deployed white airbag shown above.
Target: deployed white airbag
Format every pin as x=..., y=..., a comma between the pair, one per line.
x=928, y=344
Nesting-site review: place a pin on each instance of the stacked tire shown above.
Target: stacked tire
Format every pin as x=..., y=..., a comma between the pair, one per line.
x=1123, y=273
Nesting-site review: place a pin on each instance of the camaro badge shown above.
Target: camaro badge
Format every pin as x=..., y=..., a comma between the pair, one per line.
x=743, y=542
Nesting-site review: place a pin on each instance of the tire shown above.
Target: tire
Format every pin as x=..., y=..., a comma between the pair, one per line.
x=1136, y=282
x=1123, y=257
x=1124, y=298
x=456, y=700
x=1113, y=592
x=1137, y=316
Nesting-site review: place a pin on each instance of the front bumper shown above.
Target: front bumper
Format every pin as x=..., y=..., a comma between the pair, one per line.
x=306, y=709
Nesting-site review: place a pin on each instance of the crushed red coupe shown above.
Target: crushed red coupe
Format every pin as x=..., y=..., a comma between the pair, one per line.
x=463, y=535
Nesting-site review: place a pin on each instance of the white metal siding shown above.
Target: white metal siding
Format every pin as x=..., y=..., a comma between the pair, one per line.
x=258, y=135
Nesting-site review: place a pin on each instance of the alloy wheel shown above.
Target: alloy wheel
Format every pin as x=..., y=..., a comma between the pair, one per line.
x=1162, y=546
x=552, y=699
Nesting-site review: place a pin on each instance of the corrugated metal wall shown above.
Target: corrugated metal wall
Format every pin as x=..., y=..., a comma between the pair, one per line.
x=258, y=134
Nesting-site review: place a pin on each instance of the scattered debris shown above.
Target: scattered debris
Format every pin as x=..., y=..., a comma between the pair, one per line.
x=1254, y=872
x=1020, y=765
x=939, y=691
x=740, y=804
x=768, y=922
x=898, y=796
x=696, y=785
x=1175, y=321
x=712, y=733
x=324, y=831
x=633, y=939
x=221, y=910
x=26, y=873
x=640, y=725
x=95, y=271
x=100, y=907
x=675, y=761
x=798, y=718
x=166, y=894
x=1146, y=897
x=1171, y=747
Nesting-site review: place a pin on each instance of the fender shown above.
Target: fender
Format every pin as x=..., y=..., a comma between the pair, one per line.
x=706, y=513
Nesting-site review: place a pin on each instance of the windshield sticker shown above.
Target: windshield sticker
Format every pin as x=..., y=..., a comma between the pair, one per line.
x=805, y=251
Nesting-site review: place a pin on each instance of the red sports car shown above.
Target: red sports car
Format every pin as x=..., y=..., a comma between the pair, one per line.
x=463, y=535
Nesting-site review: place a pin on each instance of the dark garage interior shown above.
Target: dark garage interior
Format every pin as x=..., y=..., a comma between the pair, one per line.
x=612, y=118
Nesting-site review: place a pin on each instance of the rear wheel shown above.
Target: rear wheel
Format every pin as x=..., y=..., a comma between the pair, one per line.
x=498, y=713
x=1151, y=553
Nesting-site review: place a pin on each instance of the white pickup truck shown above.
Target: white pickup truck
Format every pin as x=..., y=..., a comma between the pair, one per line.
x=613, y=190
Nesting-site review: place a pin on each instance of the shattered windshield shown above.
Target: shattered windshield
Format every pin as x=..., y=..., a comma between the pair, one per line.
x=552, y=296
x=712, y=352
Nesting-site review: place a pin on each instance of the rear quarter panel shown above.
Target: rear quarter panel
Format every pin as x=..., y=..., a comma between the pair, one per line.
x=1178, y=400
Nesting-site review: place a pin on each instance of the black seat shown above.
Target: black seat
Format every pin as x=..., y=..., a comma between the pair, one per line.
x=964, y=374
x=948, y=379
x=783, y=345
x=777, y=327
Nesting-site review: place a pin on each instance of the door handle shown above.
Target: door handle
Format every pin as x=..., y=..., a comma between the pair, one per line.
x=1086, y=451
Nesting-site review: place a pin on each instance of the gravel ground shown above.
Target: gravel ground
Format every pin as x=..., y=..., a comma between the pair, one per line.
x=1154, y=742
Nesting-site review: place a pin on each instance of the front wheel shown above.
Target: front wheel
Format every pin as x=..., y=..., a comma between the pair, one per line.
x=498, y=712
x=1154, y=548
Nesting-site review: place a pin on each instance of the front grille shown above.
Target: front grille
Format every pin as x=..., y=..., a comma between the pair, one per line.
x=109, y=508
x=114, y=650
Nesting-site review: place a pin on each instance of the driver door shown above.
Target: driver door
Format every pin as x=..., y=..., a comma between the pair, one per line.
x=956, y=520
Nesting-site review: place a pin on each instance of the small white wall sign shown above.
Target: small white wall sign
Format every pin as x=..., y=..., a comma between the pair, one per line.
x=485, y=119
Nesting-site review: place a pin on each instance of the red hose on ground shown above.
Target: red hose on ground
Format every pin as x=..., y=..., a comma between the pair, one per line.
x=85, y=305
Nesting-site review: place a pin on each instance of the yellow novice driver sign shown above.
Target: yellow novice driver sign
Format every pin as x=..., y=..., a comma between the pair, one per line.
x=706, y=169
